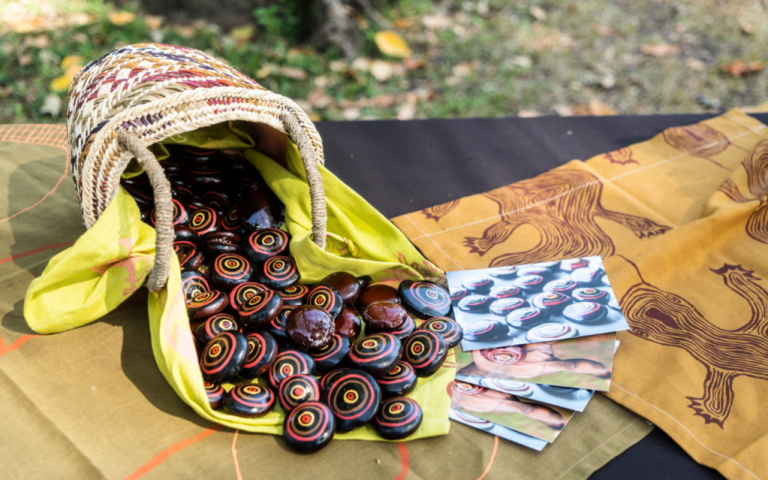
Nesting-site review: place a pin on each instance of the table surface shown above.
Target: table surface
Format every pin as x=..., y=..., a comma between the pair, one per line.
x=400, y=167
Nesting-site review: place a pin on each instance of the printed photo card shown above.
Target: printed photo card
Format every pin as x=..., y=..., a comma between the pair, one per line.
x=535, y=303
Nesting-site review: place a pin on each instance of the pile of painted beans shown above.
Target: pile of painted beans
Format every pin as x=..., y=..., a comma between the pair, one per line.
x=252, y=319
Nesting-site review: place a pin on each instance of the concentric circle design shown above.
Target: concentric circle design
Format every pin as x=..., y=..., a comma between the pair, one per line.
x=332, y=355
x=224, y=356
x=446, y=328
x=425, y=351
x=399, y=381
x=298, y=389
x=266, y=243
x=329, y=377
x=309, y=427
x=478, y=284
x=403, y=331
x=231, y=221
x=278, y=272
x=458, y=294
x=505, y=291
x=354, y=399
x=520, y=389
x=550, y=332
x=503, y=272
x=473, y=421
x=585, y=312
x=325, y=297
x=193, y=283
x=484, y=330
x=529, y=282
x=464, y=388
x=204, y=220
x=552, y=302
x=527, y=317
x=505, y=306
x=219, y=323
x=260, y=308
x=427, y=299
x=587, y=275
x=207, y=304
x=597, y=295
x=398, y=418
x=216, y=200
x=475, y=303
x=215, y=393
x=232, y=267
x=295, y=294
x=262, y=351
x=287, y=363
x=250, y=400
x=563, y=286
x=503, y=355
x=243, y=292
x=375, y=354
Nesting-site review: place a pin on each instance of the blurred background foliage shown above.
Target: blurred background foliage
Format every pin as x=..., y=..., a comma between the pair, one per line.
x=413, y=58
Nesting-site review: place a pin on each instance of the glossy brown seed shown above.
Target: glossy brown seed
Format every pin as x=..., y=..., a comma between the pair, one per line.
x=220, y=242
x=377, y=293
x=349, y=323
x=346, y=284
x=254, y=211
x=207, y=304
x=310, y=327
x=186, y=236
x=384, y=316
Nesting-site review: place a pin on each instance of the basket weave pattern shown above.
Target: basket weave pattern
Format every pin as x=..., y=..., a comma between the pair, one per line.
x=152, y=92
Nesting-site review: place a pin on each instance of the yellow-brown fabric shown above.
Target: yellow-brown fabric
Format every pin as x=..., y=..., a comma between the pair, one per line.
x=682, y=220
x=91, y=402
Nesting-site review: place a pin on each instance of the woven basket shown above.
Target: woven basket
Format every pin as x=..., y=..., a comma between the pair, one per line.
x=141, y=94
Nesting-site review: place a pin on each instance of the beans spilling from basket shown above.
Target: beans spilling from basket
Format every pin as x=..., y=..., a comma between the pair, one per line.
x=336, y=356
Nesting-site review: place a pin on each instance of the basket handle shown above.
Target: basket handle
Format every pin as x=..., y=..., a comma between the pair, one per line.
x=163, y=208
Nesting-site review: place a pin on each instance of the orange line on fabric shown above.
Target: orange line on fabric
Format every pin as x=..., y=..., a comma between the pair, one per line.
x=493, y=455
x=32, y=252
x=160, y=457
x=19, y=342
x=234, y=457
x=66, y=171
x=405, y=460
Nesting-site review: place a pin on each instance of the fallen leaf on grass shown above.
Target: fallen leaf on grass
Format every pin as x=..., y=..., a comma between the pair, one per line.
x=154, y=22
x=603, y=30
x=351, y=113
x=25, y=59
x=436, y=22
x=70, y=60
x=738, y=68
x=463, y=69
x=408, y=110
x=696, y=64
x=403, y=23
x=660, y=49
x=293, y=73
x=413, y=63
x=318, y=98
x=594, y=108
x=51, y=106
x=40, y=41
x=528, y=114
x=392, y=44
x=184, y=30
x=383, y=71
x=121, y=18
x=538, y=13
x=241, y=34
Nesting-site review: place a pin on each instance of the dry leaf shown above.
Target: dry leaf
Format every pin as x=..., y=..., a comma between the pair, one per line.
x=436, y=22
x=40, y=41
x=660, y=49
x=392, y=44
x=385, y=101
x=319, y=98
x=413, y=63
x=51, y=106
x=738, y=68
x=746, y=26
x=696, y=64
x=408, y=110
x=538, y=13
x=154, y=22
x=403, y=23
x=337, y=65
x=351, y=113
x=361, y=64
x=121, y=18
x=383, y=71
x=70, y=60
x=264, y=71
x=463, y=69
x=184, y=30
x=293, y=72
x=596, y=107
x=603, y=30
x=452, y=81
x=61, y=84
x=528, y=113
x=25, y=59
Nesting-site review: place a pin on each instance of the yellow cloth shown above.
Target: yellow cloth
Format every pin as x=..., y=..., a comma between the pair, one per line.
x=110, y=261
x=683, y=224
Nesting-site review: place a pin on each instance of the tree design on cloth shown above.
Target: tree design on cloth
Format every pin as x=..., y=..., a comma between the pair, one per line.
x=622, y=156
x=439, y=211
x=756, y=167
x=670, y=320
x=698, y=140
x=562, y=205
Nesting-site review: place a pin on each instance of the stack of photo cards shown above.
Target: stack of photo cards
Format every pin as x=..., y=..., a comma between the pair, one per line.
x=538, y=341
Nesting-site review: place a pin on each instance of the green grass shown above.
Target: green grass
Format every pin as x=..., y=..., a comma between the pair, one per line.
x=517, y=62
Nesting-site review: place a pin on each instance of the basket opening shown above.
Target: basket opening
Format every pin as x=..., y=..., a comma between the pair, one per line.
x=230, y=135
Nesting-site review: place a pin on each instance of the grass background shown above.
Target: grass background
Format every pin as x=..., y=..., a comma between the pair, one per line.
x=472, y=58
